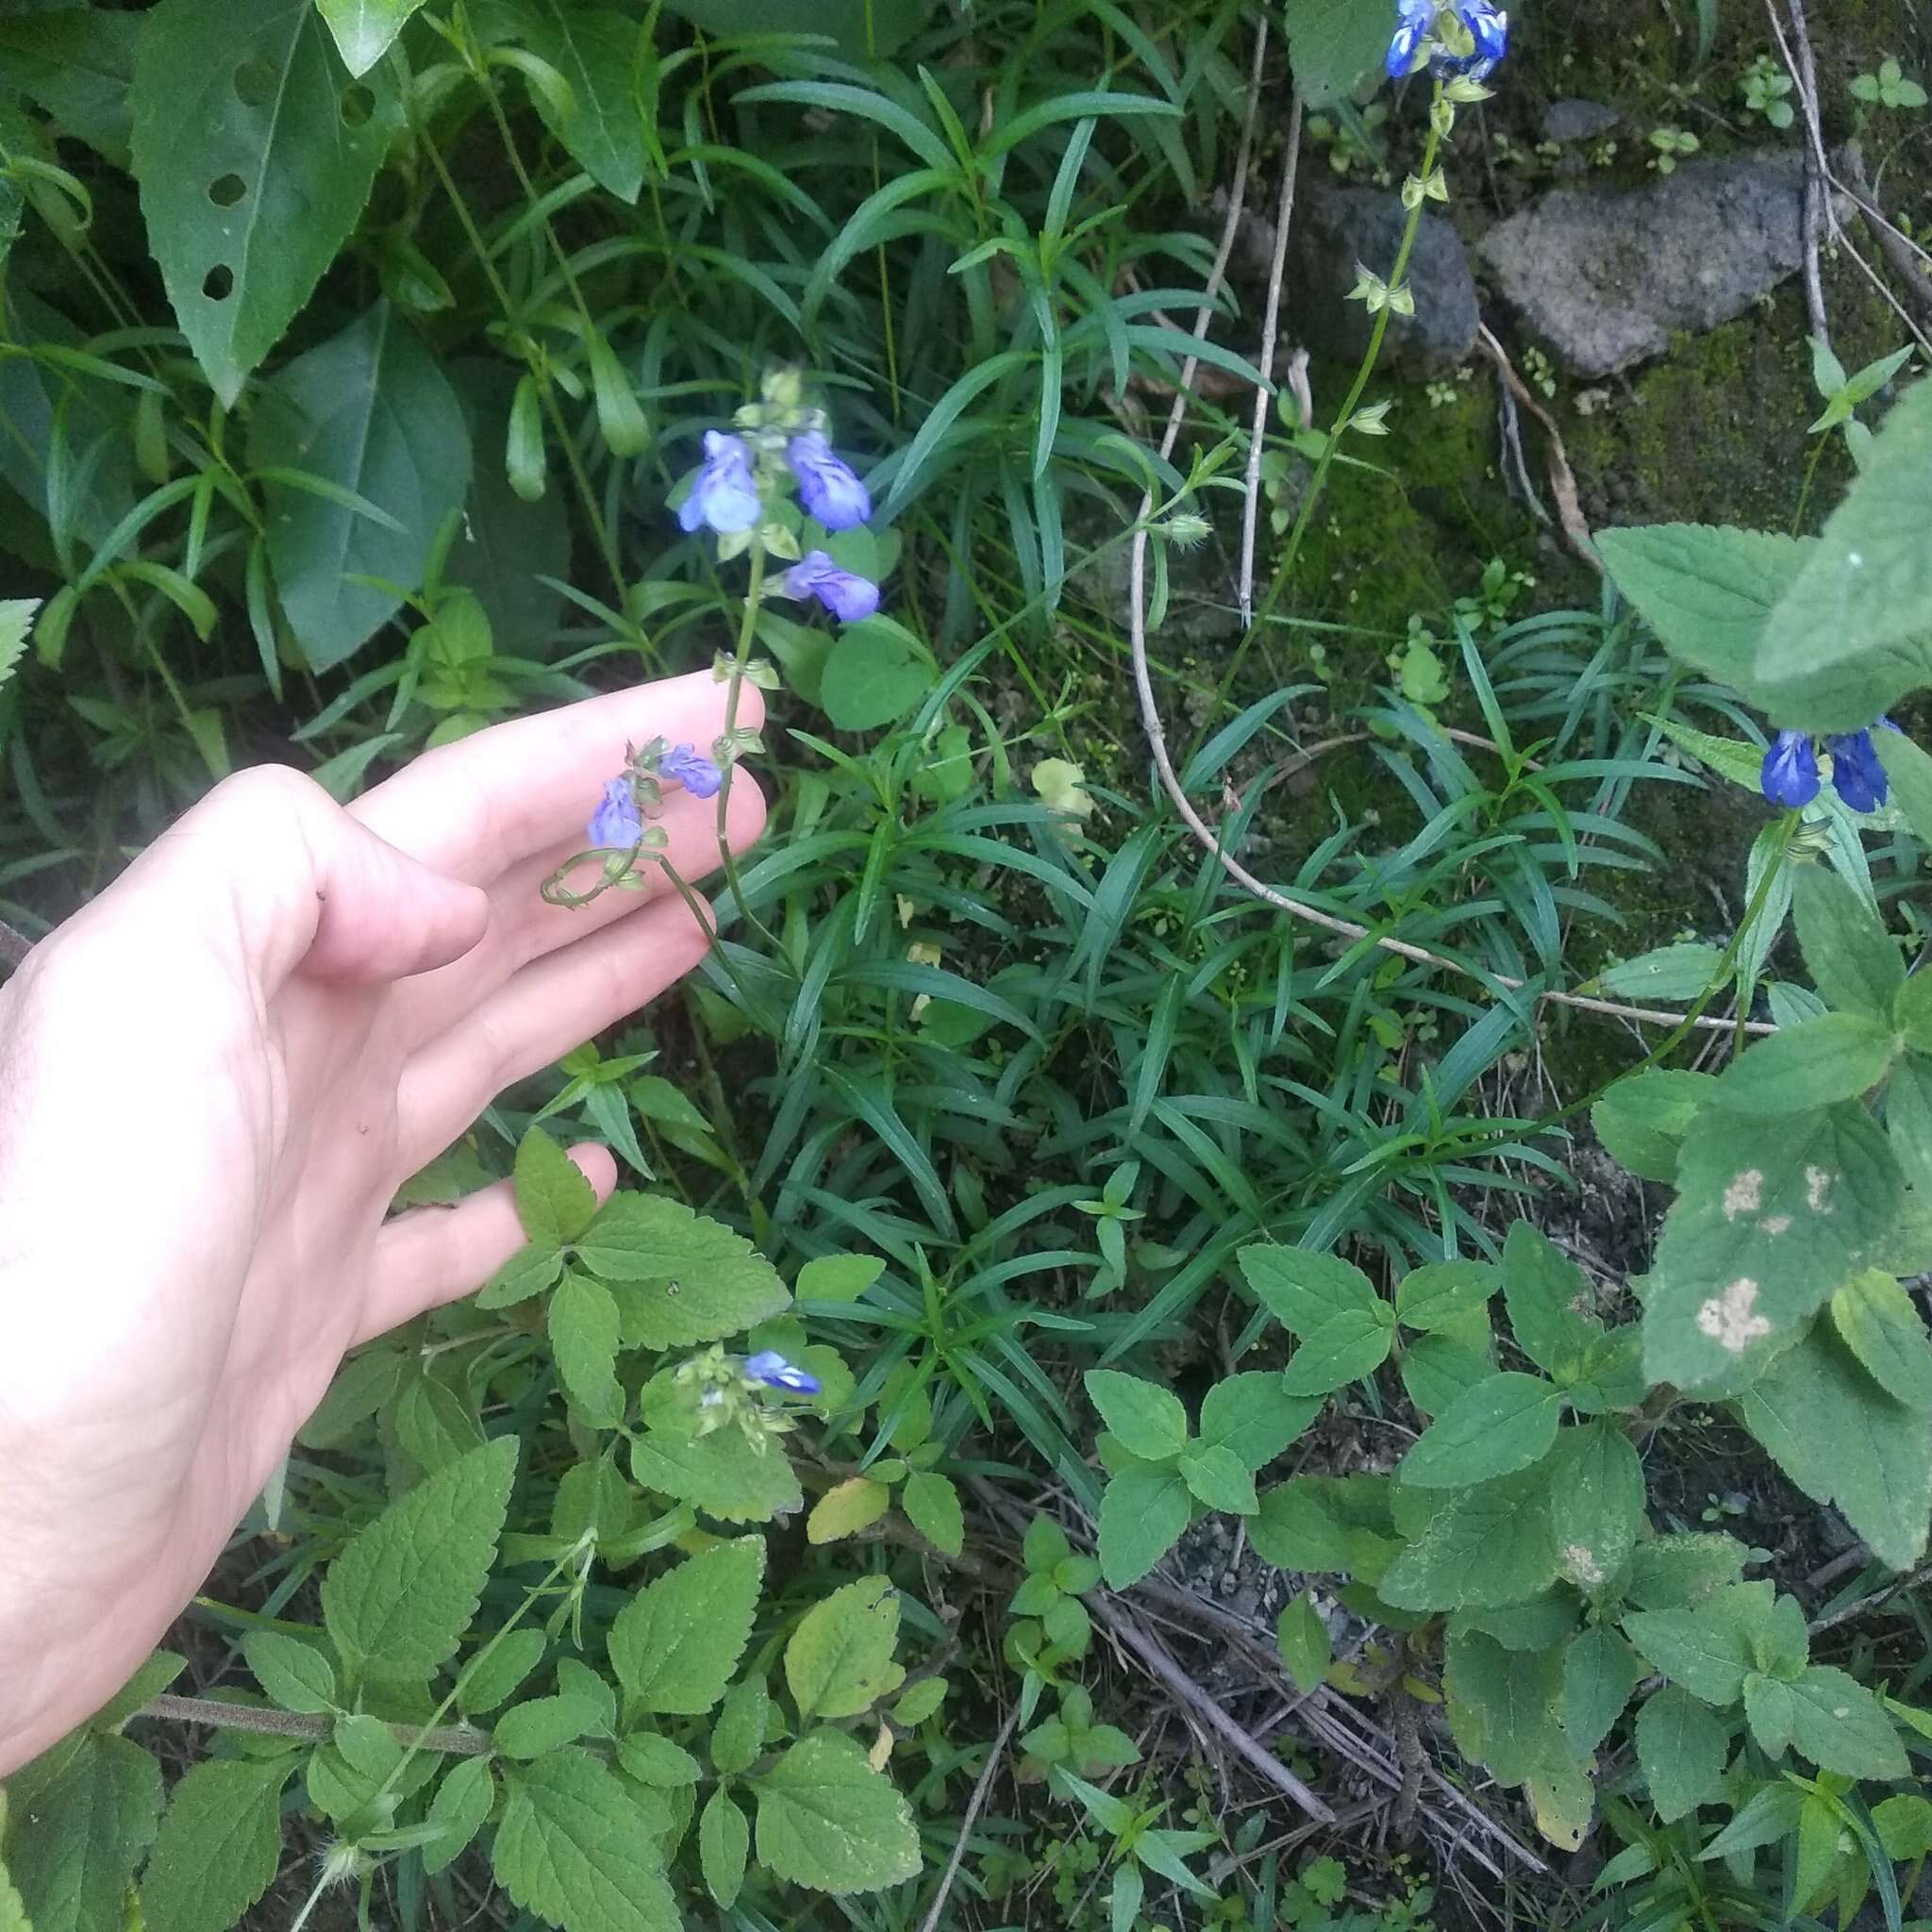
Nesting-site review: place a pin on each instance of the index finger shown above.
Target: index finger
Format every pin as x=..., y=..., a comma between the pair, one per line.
x=474, y=807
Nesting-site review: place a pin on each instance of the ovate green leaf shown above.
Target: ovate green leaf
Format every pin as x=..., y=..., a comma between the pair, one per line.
x=1596, y=1502
x=1880, y=1323
x=1443, y=1295
x=1837, y=1722
x=574, y=1848
x=1503, y=1704
x=1484, y=1547
x=723, y=1843
x=1142, y=1512
x=1345, y=1348
x=1681, y=1748
x=1644, y=1119
x=1146, y=1420
x=77, y=1822
x=218, y=1846
x=932, y=1505
x=1335, y=46
x=722, y=1474
x=364, y=28
x=1835, y=1056
x=827, y=1820
x=1303, y=1290
x=1853, y=965
x=594, y=48
x=1600, y=1670
x=1504, y=1423
x=838, y=1661
x=1304, y=1641
x=461, y=1804
x=676, y=1644
x=678, y=1278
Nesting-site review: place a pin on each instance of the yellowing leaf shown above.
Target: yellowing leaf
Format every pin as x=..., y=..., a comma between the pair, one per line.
x=1062, y=786
x=843, y=1510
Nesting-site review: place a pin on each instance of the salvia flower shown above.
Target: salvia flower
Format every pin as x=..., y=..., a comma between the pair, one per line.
x=1420, y=28
x=1489, y=27
x=692, y=770
x=847, y=596
x=1855, y=774
x=1790, y=776
x=827, y=485
x=1407, y=51
x=723, y=498
x=771, y=1368
x=616, y=825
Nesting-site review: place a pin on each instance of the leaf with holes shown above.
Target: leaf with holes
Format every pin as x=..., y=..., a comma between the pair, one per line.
x=676, y=1644
x=255, y=154
x=368, y=412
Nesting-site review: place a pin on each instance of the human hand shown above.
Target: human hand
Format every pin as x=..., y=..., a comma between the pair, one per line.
x=212, y=1081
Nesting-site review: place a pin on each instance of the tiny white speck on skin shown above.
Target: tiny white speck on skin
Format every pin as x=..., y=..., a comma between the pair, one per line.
x=1818, y=1182
x=1728, y=1319
x=1776, y=1225
x=1744, y=1194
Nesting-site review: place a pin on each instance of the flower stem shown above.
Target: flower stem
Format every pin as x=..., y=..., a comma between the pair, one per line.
x=747, y=631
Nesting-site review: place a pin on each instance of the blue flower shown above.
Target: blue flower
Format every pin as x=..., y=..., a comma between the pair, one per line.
x=846, y=597
x=1489, y=27
x=1856, y=776
x=771, y=1368
x=723, y=497
x=1416, y=39
x=615, y=826
x=692, y=770
x=1413, y=20
x=1791, y=770
x=827, y=484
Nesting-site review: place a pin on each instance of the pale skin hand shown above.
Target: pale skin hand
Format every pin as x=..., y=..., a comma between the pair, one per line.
x=212, y=1081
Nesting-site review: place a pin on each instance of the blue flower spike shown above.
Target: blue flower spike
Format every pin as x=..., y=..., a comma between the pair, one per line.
x=771, y=1368
x=692, y=770
x=1417, y=41
x=616, y=824
x=1856, y=776
x=1409, y=48
x=847, y=596
x=723, y=498
x=1789, y=777
x=827, y=485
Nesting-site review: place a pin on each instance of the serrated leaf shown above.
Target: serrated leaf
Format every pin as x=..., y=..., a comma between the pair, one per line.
x=679, y=1279
x=846, y=1508
x=1644, y=1118
x=1835, y=1056
x=295, y=1674
x=738, y=1734
x=1143, y=1513
x=1904, y=1823
x=218, y=1847
x=1676, y=972
x=249, y=101
x=1600, y=1670
x=543, y=1725
x=1504, y=1423
x=530, y=1271
x=1146, y=1420
x=875, y=673
x=1771, y=1710
x=554, y=1201
x=838, y=1660
x=827, y=1820
x=722, y=1474
x=1297, y=1528
x=1304, y=1641
x=1483, y=1548
x=1771, y=1215
x=1437, y=1370
x=1220, y=1479
x=723, y=1845
x=1681, y=1748
x=1443, y=1295
x=459, y=1809
x=367, y=411
x=402, y=1593
x=1596, y=1502
x=1707, y=1649
x=1678, y=1572
x=1880, y=1323
x=1249, y=1414
x=496, y=1673
x=583, y=1322
x=16, y=626
x=1548, y=1297
x=1838, y=1723
x=1344, y=1348
x=1910, y=768
x=676, y=1644
x=1334, y=47
x=1842, y=1439
x=1303, y=1290
x=932, y=1505
x=657, y=1761
x=594, y=48
x=78, y=1820
x=364, y=28
x=1853, y=964
x=1502, y=1704
x=574, y=1848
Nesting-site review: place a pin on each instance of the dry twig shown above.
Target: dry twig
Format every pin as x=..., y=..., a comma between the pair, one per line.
x=981, y=1786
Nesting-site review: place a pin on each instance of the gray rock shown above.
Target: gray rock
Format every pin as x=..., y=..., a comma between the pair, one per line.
x=1607, y=278
x=1569, y=121
x=1343, y=226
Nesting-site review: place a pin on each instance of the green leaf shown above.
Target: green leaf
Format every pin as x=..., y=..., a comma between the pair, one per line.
x=723, y=1843
x=252, y=176
x=1838, y=1723
x=1866, y=586
x=1502, y=1424
x=1443, y=1295
x=1707, y=1649
x=1772, y=1216
x=1596, y=1502
x=555, y=1202
x=294, y=1674
x=865, y=29
x=495, y=1673
x=402, y=1593
x=1301, y=1291
x=1345, y=1348
x=1439, y=1369
x=530, y=1271
x=1771, y=1710
x=1304, y=1641
x=827, y=1819
x=657, y=1761
x=594, y=48
x=738, y=1734
x=1147, y=1420
x=1677, y=973
x=1502, y=1704
x=582, y=1320
x=847, y=1508
x=544, y=1725
x=722, y=1474
x=1681, y=1748
x=1296, y=1527
x=838, y=1277
x=1880, y=1323
x=368, y=412
x=1644, y=1118
x=217, y=1850
x=1600, y=1670
x=874, y=674
x=1910, y=768
x=1548, y=1297
x=77, y=62
x=1677, y=1573
x=1334, y=47
x=838, y=1660
x=1842, y=1439
x=1220, y=1479
x=79, y=1820
x=932, y=1505
x=1143, y=1513
x=1853, y=965
x=1483, y=1548
x=1904, y=1823
x=16, y=625
x=364, y=28
x=461, y=1806
x=1835, y=1056
x=574, y=1848
x=678, y=1278
x=1249, y=1415
x=676, y=1644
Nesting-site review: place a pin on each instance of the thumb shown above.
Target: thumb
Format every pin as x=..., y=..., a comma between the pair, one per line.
x=302, y=885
